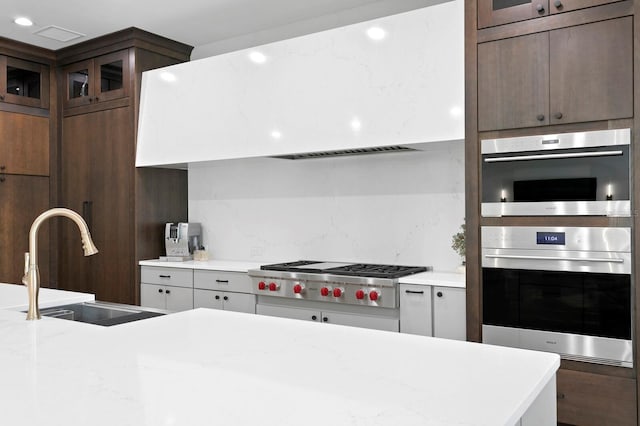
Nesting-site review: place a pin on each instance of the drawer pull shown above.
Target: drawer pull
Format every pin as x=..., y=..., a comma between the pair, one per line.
x=560, y=395
x=223, y=281
x=164, y=276
x=414, y=292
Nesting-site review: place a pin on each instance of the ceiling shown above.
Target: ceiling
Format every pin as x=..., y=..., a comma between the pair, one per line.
x=213, y=26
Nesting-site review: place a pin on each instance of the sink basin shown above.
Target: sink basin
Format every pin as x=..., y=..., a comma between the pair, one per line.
x=101, y=313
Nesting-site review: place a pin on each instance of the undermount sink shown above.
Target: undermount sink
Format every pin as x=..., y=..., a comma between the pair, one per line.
x=101, y=313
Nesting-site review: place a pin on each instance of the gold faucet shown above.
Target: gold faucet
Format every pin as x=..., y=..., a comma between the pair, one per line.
x=31, y=276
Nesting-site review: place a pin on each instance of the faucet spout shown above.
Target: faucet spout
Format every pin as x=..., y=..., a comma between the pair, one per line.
x=31, y=277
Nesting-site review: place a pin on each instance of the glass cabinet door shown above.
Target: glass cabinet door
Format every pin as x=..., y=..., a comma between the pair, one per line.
x=24, y=83
x=97, y=80
x=112, y=75
x=498, y=12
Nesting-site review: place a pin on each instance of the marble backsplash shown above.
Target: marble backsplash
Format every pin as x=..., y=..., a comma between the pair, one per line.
x=399, y=208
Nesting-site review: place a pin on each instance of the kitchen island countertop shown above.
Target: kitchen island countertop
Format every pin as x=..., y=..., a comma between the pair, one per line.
x=15, y=297
x=204, y=367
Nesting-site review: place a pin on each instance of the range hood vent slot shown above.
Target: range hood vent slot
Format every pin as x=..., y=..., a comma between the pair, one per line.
x=345, y=152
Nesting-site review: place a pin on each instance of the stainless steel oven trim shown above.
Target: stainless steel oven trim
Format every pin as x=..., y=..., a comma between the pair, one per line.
x=617, y=208
x=552, y=142
x=553, y=156
x=594, y=349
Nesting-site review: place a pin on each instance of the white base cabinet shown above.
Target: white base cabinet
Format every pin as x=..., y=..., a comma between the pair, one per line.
x=449, y=313
x=166, y=288
x=228, y=301
x=166, y=297
x=330, y=317
x=416, y=310
x=433, y=311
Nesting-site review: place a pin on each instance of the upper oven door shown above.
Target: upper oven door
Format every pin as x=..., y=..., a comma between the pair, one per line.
x=570, y=174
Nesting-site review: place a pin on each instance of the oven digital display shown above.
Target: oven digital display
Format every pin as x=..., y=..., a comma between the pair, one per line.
x=552, y=238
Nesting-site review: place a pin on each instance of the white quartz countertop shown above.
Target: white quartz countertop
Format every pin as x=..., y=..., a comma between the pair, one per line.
x=438, y=278
x=205, y=367
x=212, y=265
x=15, y=297
x=441, y=279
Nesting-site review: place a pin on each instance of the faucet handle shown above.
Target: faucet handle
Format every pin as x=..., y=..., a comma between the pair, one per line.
x=25, y=279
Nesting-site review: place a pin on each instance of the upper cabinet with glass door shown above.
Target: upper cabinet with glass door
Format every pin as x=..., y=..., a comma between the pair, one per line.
x=97, y=80
x=498, y=12
x=24, y=83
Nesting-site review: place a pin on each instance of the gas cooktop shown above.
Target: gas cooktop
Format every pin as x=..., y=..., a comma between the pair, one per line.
x=347, y=269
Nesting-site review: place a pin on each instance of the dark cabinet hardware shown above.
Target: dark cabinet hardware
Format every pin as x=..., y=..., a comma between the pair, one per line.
x=558, y=115
x=1, y=97
x=3, y=167
x=222, y=281
x=313, y=317
x=439, y=294
x=217, y=297
x=225, y=298
x=540, y=117
x=540, y=8
x=160, y=290
x=168, y=291
x=557, y=4
x=2, y=178
x=414, y=292
x=560, y=395
x=325, y=319
x=164, y=276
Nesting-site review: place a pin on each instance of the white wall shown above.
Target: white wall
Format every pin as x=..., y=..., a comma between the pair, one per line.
x=400, y=208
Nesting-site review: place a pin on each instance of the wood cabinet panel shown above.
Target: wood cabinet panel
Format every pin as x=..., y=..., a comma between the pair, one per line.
x=592, y=72
x=571, y=75
x=23, y=199
x=512, y=75
x=498, y=12
x=588, y=399
x=24, y=83
x=24, y=144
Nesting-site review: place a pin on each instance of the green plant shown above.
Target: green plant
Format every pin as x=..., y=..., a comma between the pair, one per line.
x=457, y=242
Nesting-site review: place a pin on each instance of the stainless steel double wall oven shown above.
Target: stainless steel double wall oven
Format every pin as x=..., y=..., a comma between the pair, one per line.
x=563, y=289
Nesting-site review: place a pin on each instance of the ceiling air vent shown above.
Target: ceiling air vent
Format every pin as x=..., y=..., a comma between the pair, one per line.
x=345, y=152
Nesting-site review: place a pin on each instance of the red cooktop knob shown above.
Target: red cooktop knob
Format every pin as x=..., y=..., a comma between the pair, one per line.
x=324, y=291
x=359, y=294
x=374, y=295
x=262, y=285
x=273, y=286
x=337, y=292
x=298, y=288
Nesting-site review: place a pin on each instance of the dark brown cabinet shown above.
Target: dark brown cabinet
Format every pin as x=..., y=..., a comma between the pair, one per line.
x=23, y=199
x=24, y=148
x=498, y=12
x=570, y=75
x=588, y=399
x=125, y=208
x=96, y=80
x=24, y=82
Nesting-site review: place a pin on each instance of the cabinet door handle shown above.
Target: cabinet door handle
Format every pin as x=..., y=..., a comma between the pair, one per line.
x=1, y=97
x=558, y=115
x=540, y=8
x=164, y=276
x=313, y=317
x=225, y=298
x=557, y=4
x=325, y=319
x=168, y=291
x=160, y=290
x=414, y=292
x=540, y=117
x=560, y=395
x=439, y=294
x=3, y=167
x=223, y=281
x=217, y=297
x=97, y=99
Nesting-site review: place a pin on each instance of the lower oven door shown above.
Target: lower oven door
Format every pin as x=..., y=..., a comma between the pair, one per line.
x=555, y=298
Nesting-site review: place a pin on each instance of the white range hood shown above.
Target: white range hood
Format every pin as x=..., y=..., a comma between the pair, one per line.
x=397, y=81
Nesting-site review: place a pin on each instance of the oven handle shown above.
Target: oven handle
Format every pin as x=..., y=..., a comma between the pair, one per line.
x=577, y=259
x=553, y=156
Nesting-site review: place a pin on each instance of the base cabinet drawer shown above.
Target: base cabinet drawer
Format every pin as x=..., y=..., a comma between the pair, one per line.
x=174, y=277
x=587, y=399
x=222, y=280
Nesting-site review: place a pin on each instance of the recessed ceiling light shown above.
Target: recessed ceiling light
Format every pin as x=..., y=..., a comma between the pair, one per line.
x=23, y=21
x=376, y=33
x=257, y=57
